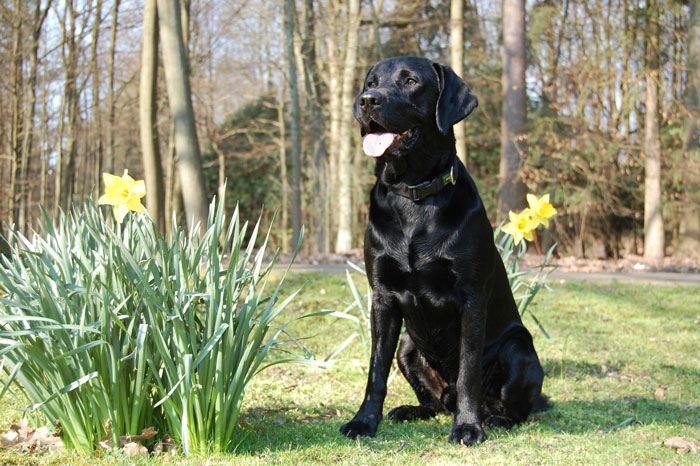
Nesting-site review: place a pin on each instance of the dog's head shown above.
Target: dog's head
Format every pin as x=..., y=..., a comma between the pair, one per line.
x=407, y=102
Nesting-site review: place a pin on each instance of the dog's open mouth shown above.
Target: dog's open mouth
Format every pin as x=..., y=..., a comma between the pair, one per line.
x=378, y=140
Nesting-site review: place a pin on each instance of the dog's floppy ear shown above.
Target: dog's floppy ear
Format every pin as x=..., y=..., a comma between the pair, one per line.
x=456, y=100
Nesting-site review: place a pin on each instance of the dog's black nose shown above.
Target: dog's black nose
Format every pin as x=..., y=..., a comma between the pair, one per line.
x=370, y=100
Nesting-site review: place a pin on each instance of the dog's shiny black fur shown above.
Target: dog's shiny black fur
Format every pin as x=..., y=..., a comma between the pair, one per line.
x=433, y=265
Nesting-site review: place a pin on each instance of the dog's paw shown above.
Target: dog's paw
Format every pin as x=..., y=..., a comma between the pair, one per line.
x=468, y=434
x=360, y=425
x=410, y=413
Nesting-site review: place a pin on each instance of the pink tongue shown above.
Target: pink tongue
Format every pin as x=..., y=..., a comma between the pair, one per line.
x=375, y=144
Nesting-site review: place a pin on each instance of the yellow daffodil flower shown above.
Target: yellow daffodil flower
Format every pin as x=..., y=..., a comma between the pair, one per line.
x=541, y=209
x=124, y=193
x=520, y=226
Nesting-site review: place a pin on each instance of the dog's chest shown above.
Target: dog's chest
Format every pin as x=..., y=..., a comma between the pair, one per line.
x=414, y=263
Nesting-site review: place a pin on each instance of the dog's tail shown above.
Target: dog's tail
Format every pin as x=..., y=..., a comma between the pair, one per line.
x=542, y=403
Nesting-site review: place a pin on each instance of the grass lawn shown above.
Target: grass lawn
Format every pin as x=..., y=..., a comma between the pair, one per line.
x=623, y=376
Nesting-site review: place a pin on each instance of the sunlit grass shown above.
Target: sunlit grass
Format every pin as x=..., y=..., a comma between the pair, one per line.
x=625, y=375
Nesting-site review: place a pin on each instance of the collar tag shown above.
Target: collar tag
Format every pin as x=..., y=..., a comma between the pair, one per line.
x=449, y=178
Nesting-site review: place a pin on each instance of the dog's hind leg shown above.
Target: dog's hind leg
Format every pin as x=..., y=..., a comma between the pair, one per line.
x=522, y=377
x=428, y=385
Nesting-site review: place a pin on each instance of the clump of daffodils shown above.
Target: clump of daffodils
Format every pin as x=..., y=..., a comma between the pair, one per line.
x=538, y=212
x=115, y=330
x=124, y=194
x=522, y=226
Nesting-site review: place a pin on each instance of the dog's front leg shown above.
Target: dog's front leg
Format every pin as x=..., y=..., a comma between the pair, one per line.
x=386, y=326
x=467, y=426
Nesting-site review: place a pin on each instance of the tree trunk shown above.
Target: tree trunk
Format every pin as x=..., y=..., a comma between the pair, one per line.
x=72, y=107
x=289, y=24
x=653, y=222
x=182, y=112
x=318, y=123
x=173, y=198
x=148, y=109
x=457, y=63
x=284, y=185
x=343, y=241
x=30, y=112
x=109, y=160
x=96, y=112
x=58, y=177
x=16, y=128
x=221, y=161
x=511, y=187
x=689, y=241
x=335, y=114
x=375, y=11
x=185, y=22
x=43, y=143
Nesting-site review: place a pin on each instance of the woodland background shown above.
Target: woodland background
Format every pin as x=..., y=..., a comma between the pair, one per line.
x=594, y=102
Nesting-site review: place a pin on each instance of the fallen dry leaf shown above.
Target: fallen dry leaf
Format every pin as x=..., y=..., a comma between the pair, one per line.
x=41, y=433
x=106, y=444
x=681, y=444
x=660, y=393
x=134, y=449
x=23, y=429
x=165, y=445
x=25, y=438
x=106, y=441
x=146, y=434
x=53, y=442
x=9, y=439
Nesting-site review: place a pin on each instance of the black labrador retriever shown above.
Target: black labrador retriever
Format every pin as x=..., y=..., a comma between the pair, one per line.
x=433, y=265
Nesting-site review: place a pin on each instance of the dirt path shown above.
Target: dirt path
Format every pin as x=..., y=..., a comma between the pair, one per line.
x=599, y=276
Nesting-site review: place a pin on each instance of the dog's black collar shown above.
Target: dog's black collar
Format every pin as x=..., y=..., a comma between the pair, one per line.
x=428, y=188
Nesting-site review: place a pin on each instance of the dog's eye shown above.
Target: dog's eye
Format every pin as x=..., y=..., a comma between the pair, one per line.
x=371, y=85
x=411, y=82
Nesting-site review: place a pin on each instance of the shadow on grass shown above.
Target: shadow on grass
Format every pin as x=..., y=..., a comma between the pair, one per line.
x=576, y=369
x=569, y=368
x=576, y=417
x=650, y=300
x=272, y=431
x=299, y=429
